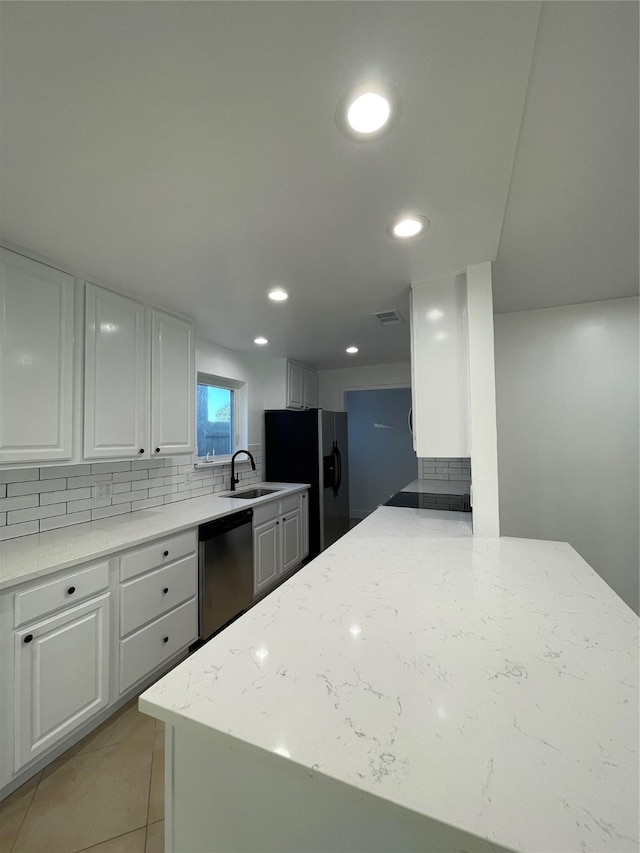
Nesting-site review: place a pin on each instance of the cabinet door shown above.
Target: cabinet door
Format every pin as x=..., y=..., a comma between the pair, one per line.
x=310, y=389
x=290, y=540
x=62, y=676
x=116, y=378
x=440, y=382
x=304, y=525
x=36, y=361
x=173, y=385
x=266, y=555
x=295, y=386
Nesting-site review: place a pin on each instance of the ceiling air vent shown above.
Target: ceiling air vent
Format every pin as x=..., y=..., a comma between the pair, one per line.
x=389, y=318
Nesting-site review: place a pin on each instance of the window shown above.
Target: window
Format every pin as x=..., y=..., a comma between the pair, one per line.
x=221, y=415
x=215, y=420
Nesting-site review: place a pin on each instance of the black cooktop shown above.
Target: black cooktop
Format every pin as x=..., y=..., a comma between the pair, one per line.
x=429, y=500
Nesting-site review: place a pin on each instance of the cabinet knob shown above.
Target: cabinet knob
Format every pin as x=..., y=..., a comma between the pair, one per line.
x=165, y=553
x=165, y=590
x=165, y=639
x=28, y=638
x=277, y=522
x=157, y=450
x=71, y=590
x=141, y=450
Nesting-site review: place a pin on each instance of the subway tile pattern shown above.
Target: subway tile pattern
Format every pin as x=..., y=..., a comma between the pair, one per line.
x=440, y=468
x=33, y=500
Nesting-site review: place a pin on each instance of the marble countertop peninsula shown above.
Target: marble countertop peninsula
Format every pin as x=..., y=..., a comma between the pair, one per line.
x=41, y=554
x=491, y=684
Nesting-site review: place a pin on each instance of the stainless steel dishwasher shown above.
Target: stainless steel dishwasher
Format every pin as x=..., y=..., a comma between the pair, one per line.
x=225, y=567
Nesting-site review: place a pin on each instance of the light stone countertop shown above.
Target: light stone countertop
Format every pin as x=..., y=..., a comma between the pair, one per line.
x=42, y=554
x=491, y=684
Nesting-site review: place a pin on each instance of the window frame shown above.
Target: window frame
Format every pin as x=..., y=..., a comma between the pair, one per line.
x=239, y=414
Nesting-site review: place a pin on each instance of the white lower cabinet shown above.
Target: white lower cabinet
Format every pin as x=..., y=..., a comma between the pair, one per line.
x=158, y=605
x=265, y=555
x=290, y=543
x=304, y=525
x=81, y=641
x=278, y=539
x=147, y=649
x=61, y=676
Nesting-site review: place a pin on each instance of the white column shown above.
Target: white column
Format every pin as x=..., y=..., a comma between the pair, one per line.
x=482, y=402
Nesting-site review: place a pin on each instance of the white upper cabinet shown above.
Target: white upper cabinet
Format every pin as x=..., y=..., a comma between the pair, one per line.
x=173, y=384
x=310, y=389
x=116, y=384
x=439, y=368
x=36, y=361
x=295, y=385
x=302, y=387
x=139, y=379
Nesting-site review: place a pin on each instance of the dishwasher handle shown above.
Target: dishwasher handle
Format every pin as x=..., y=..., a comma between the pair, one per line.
x=223, y=525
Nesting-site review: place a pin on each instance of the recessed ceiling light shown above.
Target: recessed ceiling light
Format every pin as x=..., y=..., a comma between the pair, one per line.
x=261, y=341
x=352, y=350
x=278, y=295
x=405, y=227
x=368, y=111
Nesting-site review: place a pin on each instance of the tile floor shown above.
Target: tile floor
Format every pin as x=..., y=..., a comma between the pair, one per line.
x=104, y=795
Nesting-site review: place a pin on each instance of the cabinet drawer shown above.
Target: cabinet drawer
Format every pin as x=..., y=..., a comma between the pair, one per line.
x=153, y=556
x=153, y=594
x=145, y=650
x=290, y=503
x=64, y=591
x=264, y=512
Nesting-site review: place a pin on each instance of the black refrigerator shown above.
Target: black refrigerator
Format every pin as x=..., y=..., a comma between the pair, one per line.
x=310, y=446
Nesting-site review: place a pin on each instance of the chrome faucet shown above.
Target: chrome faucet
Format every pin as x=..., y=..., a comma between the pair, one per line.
x=235, y=479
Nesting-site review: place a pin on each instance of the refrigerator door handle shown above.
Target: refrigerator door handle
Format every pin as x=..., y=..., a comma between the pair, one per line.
x=338, y=456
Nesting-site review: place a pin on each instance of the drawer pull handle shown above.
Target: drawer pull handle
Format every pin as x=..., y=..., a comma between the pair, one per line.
x=71, y=590
x=165, y=553
x=165, y=590
x=165, y=639
x=28, y=638
x=141, y=450
x=157, y=450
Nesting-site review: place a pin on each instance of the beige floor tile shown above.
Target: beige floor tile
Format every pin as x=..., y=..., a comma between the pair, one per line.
x=13, y=810
x=131, y=842
x=89, y=798
x=126, y=723
x=156, y=794
x=155, y=837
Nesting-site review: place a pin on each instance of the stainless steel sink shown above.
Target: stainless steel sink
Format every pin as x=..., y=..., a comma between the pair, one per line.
x=249, y=494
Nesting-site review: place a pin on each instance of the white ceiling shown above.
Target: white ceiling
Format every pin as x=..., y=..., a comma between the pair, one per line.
x=188, y=152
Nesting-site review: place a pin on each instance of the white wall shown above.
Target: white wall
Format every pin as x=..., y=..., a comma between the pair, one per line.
x=265, y=379
x=567, y=409
x=333, y=383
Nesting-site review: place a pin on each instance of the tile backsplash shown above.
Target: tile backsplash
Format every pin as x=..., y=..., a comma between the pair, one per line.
x=33, y=500
x=437, y=468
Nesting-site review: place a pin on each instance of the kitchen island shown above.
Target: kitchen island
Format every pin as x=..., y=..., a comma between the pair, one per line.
x=412, y=688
